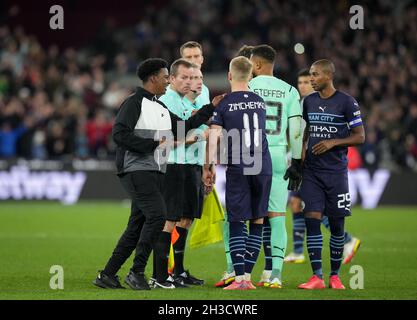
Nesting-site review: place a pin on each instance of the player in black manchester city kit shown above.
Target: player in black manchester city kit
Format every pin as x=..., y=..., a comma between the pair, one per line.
x=333, y=123
x=248, y=183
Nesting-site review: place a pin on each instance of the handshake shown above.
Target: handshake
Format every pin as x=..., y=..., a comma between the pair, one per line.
x=209, y=177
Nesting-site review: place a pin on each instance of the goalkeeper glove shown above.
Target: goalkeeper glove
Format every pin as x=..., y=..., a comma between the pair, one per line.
x=294, y=173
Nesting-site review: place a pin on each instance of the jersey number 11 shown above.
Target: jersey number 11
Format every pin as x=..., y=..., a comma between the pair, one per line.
x=247, y=130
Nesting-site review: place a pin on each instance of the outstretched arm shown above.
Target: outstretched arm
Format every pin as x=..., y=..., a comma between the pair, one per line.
x=199, y=118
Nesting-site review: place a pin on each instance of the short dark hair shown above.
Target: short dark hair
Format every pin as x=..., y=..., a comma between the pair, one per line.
x=304, y=73
x=266, y=52
x=191, y=44
x=326, y=65
x=177, y=63
x=150, y=67
x=245, y=51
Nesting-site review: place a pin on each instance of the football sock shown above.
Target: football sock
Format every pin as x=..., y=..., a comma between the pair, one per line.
x=253, y=246
x=266, y=241
x=226, y=233
x=237, y=247
x=179, y=247
x=299, y=230
x=161, y=253
x=314, y=245
x=278, y=244
x=337, y=241
x=245, y=231
x=325, y=222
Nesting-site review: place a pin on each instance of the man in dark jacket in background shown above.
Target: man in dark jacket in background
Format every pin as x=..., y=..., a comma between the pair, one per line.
x=141, y=124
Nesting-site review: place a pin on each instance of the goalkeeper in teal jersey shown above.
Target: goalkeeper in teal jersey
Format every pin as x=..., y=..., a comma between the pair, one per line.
x=283, y=112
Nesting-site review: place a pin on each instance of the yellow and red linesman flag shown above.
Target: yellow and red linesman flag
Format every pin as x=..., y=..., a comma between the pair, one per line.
x=174, y=238
x=207, y=230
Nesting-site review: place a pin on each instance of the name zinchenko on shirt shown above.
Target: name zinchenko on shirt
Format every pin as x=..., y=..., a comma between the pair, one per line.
x=246, y=105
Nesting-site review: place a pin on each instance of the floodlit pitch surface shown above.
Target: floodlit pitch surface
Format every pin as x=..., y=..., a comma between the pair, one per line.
x=36, y=235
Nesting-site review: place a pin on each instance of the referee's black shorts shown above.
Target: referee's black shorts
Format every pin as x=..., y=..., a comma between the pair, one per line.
x=183, y=191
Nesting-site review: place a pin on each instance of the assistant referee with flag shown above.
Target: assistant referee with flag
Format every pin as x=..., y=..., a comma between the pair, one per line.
x=140, y=124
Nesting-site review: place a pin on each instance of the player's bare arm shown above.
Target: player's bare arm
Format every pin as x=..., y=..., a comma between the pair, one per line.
x=201, y=137
x=192, y=138
x=209, y=170
x=356, y=137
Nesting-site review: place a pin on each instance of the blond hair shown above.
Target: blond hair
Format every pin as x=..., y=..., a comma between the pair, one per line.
x=240, y=68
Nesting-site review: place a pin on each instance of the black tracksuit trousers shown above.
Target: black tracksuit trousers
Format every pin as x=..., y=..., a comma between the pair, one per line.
x=147, y=219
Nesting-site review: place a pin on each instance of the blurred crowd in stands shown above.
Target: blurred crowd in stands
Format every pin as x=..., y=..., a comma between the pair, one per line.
x=58, y=103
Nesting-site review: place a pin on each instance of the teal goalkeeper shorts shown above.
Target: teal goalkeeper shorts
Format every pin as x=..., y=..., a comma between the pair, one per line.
x=279, y=189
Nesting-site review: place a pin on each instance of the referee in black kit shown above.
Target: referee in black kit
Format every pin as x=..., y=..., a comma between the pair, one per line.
x=141, y=167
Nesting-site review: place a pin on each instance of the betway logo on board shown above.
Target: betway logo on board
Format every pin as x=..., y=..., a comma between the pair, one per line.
x=21, y=183
x=369, y=188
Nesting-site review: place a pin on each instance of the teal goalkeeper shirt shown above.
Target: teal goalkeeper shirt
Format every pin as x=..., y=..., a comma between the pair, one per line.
x=195, y=153
x=282, y=102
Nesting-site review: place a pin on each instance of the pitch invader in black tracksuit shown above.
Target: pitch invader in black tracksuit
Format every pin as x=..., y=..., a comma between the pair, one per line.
x=141, y=123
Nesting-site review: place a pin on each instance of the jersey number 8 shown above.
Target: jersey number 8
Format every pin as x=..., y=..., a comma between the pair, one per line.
x=276, y=118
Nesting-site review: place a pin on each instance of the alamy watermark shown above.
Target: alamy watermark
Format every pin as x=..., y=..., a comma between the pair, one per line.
x=357, y=20
x=57, y=19
x=357, y=281
x=57, y=280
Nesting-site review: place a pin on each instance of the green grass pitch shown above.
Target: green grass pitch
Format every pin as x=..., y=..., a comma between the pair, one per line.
x=36, y=235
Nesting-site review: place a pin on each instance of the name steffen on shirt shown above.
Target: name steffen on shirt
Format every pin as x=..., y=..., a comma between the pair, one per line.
x=246, y=105
x=266, y=93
